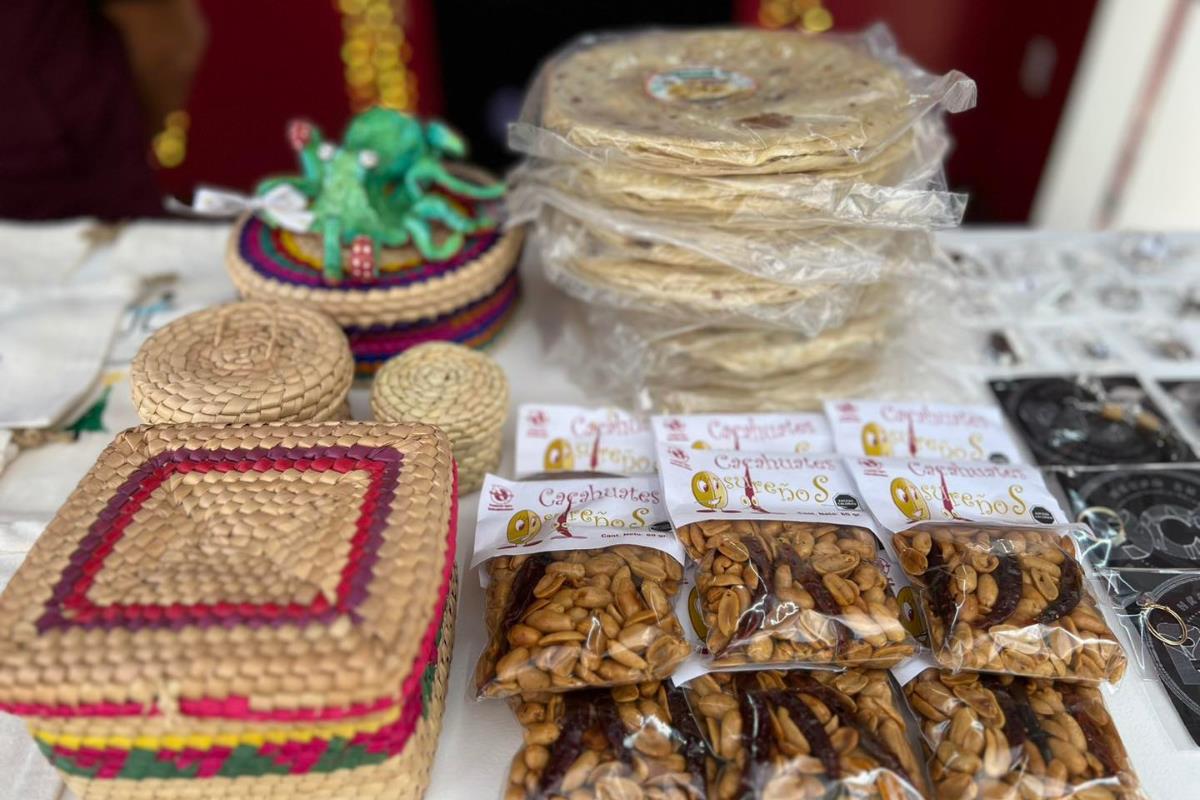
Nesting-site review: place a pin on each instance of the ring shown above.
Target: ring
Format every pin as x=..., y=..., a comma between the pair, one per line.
x=1148, y=608
x=1104, y=511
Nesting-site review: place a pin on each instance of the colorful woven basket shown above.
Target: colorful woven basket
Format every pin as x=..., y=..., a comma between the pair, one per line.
x=244, y=362
x=462, y=392
x=241, y=611
x=465, y=299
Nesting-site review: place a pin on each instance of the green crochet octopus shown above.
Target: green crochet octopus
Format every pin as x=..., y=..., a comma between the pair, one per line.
x=372, y=190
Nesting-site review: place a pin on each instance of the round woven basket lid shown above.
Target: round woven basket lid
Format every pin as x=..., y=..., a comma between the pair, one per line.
x=459, y=390
x=243, y=362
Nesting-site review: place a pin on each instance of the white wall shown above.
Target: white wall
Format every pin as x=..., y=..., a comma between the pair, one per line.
x=1163, y=187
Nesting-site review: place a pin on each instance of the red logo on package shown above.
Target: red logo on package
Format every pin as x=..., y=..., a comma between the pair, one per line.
x=502, y=499
x=847, y=412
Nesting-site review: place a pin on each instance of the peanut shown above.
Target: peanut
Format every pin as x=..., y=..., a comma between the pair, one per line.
x=1017, y=601
x=585, y=622
x=785, y=592
x=972, y=756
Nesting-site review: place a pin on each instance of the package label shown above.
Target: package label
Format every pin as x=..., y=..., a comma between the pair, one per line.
x=698, y=85
x=701, y=484
x=905, y=492
x=552, y=438
x=764, y=433
x=520, y=517
x=921, y=430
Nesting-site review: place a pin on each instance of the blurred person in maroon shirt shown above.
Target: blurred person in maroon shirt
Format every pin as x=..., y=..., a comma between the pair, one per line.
x=83, y=86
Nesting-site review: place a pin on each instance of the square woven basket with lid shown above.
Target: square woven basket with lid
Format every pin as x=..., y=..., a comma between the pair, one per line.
x=242, y=611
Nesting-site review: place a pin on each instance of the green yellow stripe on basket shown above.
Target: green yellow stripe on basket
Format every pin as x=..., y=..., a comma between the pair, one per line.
x=209, y=741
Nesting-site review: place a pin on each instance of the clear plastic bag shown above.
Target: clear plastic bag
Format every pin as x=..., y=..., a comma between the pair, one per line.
x=789, y=567
x=580, y=579
x=565, y=224
x=908, y=191
x=577, y=619
x=778, y=593
x=1008, y=599
x=657, y=365
x=719, y=294
x=807, y=735
x=632, y=741
x=730, y=101
x=990, y=736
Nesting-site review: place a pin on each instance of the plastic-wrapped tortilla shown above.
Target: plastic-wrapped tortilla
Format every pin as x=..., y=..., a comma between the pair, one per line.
x=720, y=101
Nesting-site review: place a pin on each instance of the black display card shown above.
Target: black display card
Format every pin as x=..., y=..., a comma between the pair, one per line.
x=1090, y=421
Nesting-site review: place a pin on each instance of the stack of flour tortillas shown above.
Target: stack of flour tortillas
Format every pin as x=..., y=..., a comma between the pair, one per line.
x=735, y=204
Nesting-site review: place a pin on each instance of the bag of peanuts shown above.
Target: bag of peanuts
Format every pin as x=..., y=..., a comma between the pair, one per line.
x=789, y=567
x=1000, y=584
x=634, y=741
x=570, y=441
x=1004, y=736
x=795, y=432
x=580, y=580
x=800, y=734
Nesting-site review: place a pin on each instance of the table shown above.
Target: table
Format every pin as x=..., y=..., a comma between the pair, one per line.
x=478, y=738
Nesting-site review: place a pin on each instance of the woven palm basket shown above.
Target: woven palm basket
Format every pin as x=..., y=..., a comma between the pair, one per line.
x=466, y=299
x=244, y=362
x=249, y=611
x=462, y=392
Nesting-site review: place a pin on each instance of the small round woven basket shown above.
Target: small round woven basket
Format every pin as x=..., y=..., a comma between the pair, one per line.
x=244, y=362
x=467, y=298
x=461, y=391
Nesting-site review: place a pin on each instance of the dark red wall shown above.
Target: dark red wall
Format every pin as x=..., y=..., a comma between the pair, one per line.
x=1002, y=145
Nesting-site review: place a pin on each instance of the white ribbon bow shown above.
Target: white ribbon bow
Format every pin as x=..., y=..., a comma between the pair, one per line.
x=286, y=205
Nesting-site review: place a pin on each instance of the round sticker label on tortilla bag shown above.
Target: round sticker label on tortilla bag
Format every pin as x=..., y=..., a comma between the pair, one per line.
x=697, y=85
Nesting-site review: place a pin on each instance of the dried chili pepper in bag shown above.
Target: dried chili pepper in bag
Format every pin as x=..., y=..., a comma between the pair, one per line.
x=567, y=606
x=626, y=742
x=996, y=567
x=1004, y=736
x=790, y=572
x=807, y=735
x=1027, y=613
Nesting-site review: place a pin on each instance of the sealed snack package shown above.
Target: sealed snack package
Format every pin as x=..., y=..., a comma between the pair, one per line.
x=1002, y=736
x=1001, y=589
x=561, y=440
x=580, y=577
x=734, y=100
x=801, y=734
x=921, y=430
x=570, y=230
x=789, y=569
x=640, y=740
x=904, y=188
x=796, y=432
x=1079, y=420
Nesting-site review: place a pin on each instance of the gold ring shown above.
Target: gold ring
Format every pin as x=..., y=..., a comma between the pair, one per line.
x=1151, y=607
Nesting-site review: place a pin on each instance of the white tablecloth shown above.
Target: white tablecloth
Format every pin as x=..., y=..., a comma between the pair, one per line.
x=478, y=738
